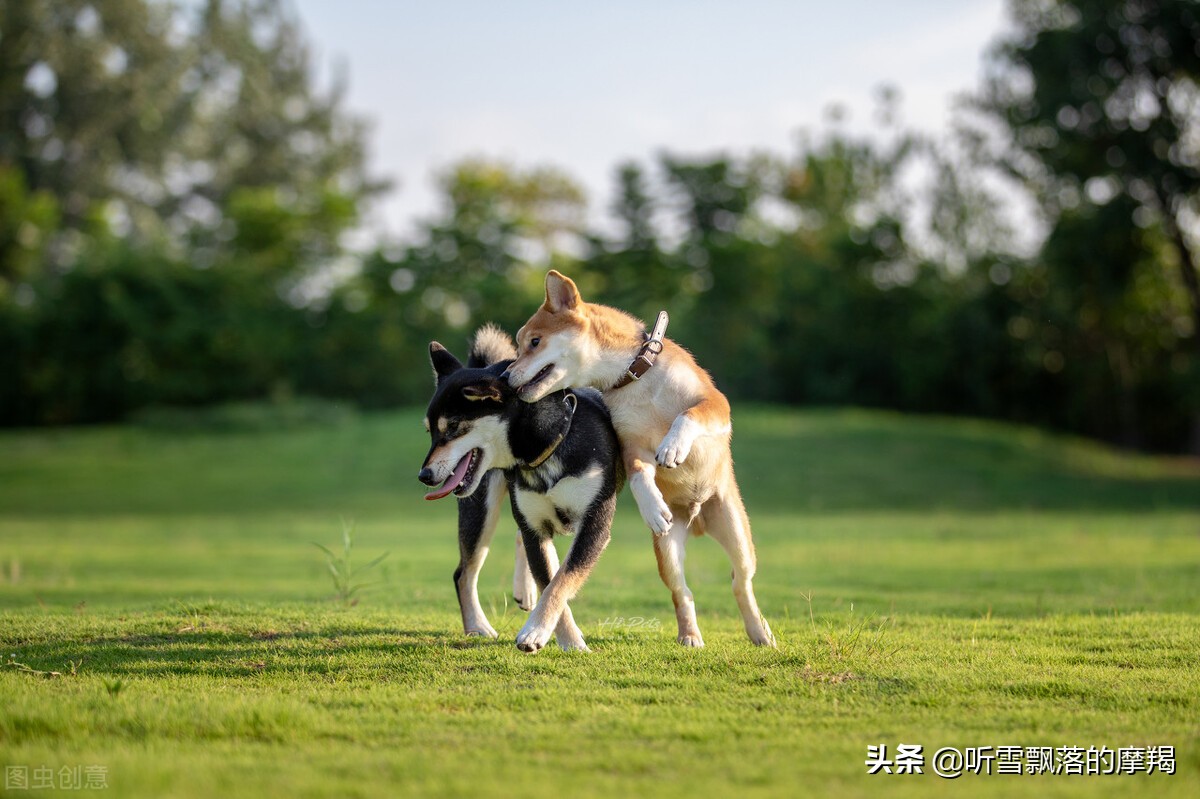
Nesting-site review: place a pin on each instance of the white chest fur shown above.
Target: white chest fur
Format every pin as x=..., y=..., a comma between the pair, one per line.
x=560, y=510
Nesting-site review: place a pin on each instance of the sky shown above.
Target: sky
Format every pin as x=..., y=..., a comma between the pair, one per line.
x=585, y=86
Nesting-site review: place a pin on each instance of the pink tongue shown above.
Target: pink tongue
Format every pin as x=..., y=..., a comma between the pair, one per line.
x=454, y=480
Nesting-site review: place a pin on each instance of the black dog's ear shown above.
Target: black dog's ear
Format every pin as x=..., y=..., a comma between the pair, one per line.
x=443, y=362
x=488, y=390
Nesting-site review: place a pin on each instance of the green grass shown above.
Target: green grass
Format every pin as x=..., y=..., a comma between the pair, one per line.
x=947, y=583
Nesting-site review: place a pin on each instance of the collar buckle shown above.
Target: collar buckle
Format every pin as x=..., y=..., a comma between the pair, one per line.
x=649, y=351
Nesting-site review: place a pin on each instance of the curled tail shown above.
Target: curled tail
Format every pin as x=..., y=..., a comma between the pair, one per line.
x=490, y=345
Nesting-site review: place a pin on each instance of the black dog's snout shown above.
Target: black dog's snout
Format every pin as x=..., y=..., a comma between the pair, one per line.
x=426, y=476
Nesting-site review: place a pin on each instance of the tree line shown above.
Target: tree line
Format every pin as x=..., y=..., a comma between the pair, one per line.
x=175, y=194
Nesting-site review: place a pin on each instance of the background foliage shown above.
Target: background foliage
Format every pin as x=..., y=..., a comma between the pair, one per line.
x=176, y=195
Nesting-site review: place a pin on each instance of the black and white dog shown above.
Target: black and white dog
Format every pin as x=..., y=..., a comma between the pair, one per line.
x=559, y=458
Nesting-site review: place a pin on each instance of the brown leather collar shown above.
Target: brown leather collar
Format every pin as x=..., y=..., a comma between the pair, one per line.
x=646, y=355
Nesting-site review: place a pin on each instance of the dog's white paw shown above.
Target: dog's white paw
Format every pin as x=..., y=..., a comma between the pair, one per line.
x=692, y=640
x=573, y=645
x=532, y=637
x=650, y=502
x=764, y=640
x=673, y=450
x=525, y=591
x=570, y=637
x=760, y=634
x=484, y=630
x=657, y=517
x=677, y=443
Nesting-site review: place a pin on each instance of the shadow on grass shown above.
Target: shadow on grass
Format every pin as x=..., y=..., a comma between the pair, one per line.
x=222, y=653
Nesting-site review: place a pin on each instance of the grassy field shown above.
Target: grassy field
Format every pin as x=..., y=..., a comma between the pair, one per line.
x=933, y=582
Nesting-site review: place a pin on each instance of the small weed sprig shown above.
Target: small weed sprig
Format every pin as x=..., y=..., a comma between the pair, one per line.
x=12, y=663
x=863, y=637
x=345, y=577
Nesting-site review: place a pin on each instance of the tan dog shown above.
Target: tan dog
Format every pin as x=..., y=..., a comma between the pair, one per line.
x=673, y=417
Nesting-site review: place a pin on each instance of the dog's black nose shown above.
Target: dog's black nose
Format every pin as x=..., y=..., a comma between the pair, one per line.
x=505, y=376
x=426, y=476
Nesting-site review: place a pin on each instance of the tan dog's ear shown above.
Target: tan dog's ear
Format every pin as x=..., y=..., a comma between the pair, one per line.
x=561, y=293
x=483, y=391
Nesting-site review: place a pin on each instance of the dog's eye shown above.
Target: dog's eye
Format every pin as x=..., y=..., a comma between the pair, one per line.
x=533, y=342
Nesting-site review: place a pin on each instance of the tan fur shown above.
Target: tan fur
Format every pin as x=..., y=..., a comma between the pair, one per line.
x=674, y=415
x=612, y=328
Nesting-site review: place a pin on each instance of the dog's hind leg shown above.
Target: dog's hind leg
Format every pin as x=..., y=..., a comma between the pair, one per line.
x=669, y=549
x=477, y=517
x=725, y=519
x=525, y=590
x=552, y=610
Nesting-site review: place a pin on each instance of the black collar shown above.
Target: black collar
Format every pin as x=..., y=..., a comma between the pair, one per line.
x=572, y=402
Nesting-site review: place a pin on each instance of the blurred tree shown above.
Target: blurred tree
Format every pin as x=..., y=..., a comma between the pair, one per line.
x=1095, y=324
x=630, y=270
x=713, y=195
x=271, y=165
x=128, y=327
x=1101, y=100
x=725, y=283
x=634, y=207
x=91, y=100
x=198, y=123
x=848, y=276
x=26, y=222
x=483, y=258
x=140, y=140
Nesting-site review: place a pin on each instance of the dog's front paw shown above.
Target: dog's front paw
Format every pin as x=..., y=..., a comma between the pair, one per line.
x=673, y=450
x=650, y=502
x=657, y=516
x=677, y=444
x=532, y=637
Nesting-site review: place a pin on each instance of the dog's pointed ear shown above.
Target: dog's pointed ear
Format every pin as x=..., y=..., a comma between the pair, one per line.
x=485, y=390
x=443, y=362
x=561, y=293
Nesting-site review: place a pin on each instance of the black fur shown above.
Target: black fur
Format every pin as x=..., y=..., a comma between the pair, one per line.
x=573, y=425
